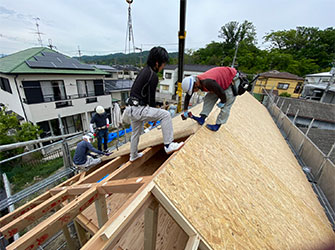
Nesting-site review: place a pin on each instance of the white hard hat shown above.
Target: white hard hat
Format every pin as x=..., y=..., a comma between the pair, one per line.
x=88, y=137
x=100, y=110
x=187, y=84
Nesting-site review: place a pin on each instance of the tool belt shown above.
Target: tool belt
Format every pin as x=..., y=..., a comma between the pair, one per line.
x=134, y=101
x=101, y=128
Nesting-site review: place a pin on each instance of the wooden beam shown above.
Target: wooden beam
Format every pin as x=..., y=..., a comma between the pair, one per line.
x=112, y=231
x=101, y=209
x=23, y=209
x=103, y=171
x=33, y=203
x=129, y=167
x=150, y=226
x=38, y=235
x=118, y=186
x=87, y=224
x=31, y=216
x=130, y=185
x=193, y=243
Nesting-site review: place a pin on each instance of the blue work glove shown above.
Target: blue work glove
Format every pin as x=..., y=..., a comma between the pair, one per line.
x=186, y=114
x=220, y=105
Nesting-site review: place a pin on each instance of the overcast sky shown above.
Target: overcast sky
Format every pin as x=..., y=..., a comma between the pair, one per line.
x=99, y=27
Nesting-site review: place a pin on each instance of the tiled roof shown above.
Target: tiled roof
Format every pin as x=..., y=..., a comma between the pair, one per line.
x=282, y=75
x=323, y=139
x=309, y=109
x=16, y=64
x=112, y=85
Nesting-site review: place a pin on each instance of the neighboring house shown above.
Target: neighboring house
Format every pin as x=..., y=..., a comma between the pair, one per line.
x=39, y=84
x=170, y=76
x=279, y=83
x=113, y=72
x=119, y=89
x=127, y=71
x=317, y=85
x=323, y=113
x=323, y=128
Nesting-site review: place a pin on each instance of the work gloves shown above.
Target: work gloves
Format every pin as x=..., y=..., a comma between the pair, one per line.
x=186, y=114
x=220, y=105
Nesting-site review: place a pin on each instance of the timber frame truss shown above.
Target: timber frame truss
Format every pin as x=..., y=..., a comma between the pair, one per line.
x=69, y=200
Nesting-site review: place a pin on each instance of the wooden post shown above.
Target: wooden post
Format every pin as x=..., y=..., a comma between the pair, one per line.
x=69, y=240
x=81, y=233
x=150, y=226
x=101, y=209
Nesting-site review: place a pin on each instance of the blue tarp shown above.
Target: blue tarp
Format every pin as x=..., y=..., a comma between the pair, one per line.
x=112, y=136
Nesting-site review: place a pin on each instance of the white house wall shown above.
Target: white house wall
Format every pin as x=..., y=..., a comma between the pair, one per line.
x=174, y=78
x=11, y=100
x=47, y=110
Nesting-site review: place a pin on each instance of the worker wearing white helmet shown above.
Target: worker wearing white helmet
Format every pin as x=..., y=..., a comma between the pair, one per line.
x=101, y=122
x=82, y=157
x=221, y=83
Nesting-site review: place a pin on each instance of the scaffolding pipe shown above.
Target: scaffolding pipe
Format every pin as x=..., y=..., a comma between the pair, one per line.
x=27, y=143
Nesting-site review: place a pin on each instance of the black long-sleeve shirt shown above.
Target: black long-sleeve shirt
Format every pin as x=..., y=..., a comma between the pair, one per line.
x=208, y=85
x=144, y=87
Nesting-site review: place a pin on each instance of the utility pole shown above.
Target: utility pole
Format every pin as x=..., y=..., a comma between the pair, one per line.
x=181, y=36
x=140, y=49
x=331, y=81
x=236, y=49
x=79, y=53
x=39, y=39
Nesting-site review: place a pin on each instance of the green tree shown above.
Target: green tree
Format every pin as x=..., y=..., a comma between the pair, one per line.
x=11, y=131
x=234, y=32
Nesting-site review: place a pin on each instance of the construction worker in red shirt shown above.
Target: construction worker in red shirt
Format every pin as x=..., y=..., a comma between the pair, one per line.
x=218, y=82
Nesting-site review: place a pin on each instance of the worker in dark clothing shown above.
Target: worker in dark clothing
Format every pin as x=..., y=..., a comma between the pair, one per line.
x=101, y=122
x=142, y=104
x=82, y=157
x=218, y=83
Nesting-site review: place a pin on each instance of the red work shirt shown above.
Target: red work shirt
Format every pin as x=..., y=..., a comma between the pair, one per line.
x=222, y=75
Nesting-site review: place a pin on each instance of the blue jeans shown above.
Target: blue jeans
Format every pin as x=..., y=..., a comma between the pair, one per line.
x=103, y=133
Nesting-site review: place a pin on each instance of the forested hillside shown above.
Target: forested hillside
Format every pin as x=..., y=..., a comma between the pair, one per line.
x=299, y=51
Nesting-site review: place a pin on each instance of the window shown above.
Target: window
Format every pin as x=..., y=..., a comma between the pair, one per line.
x=85, y=88
x=283, y=85
x=53, y=90
x=298, y=88
x=168, y=75
x=4, y=85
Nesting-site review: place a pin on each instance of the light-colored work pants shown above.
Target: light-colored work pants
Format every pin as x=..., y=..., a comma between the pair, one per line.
x=140, y=114
x=90, y=162
x=210, y=100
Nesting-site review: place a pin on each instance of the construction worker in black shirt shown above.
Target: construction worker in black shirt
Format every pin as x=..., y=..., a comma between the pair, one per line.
x=142, y=104
x=101, y=122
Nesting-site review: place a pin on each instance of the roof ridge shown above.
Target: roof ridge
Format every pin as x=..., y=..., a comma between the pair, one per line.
x=25, y=59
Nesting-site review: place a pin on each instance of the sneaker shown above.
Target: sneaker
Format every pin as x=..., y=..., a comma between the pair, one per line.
x=139, y=155
x=200, y=119
x=214, y=127
x=174, y=146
